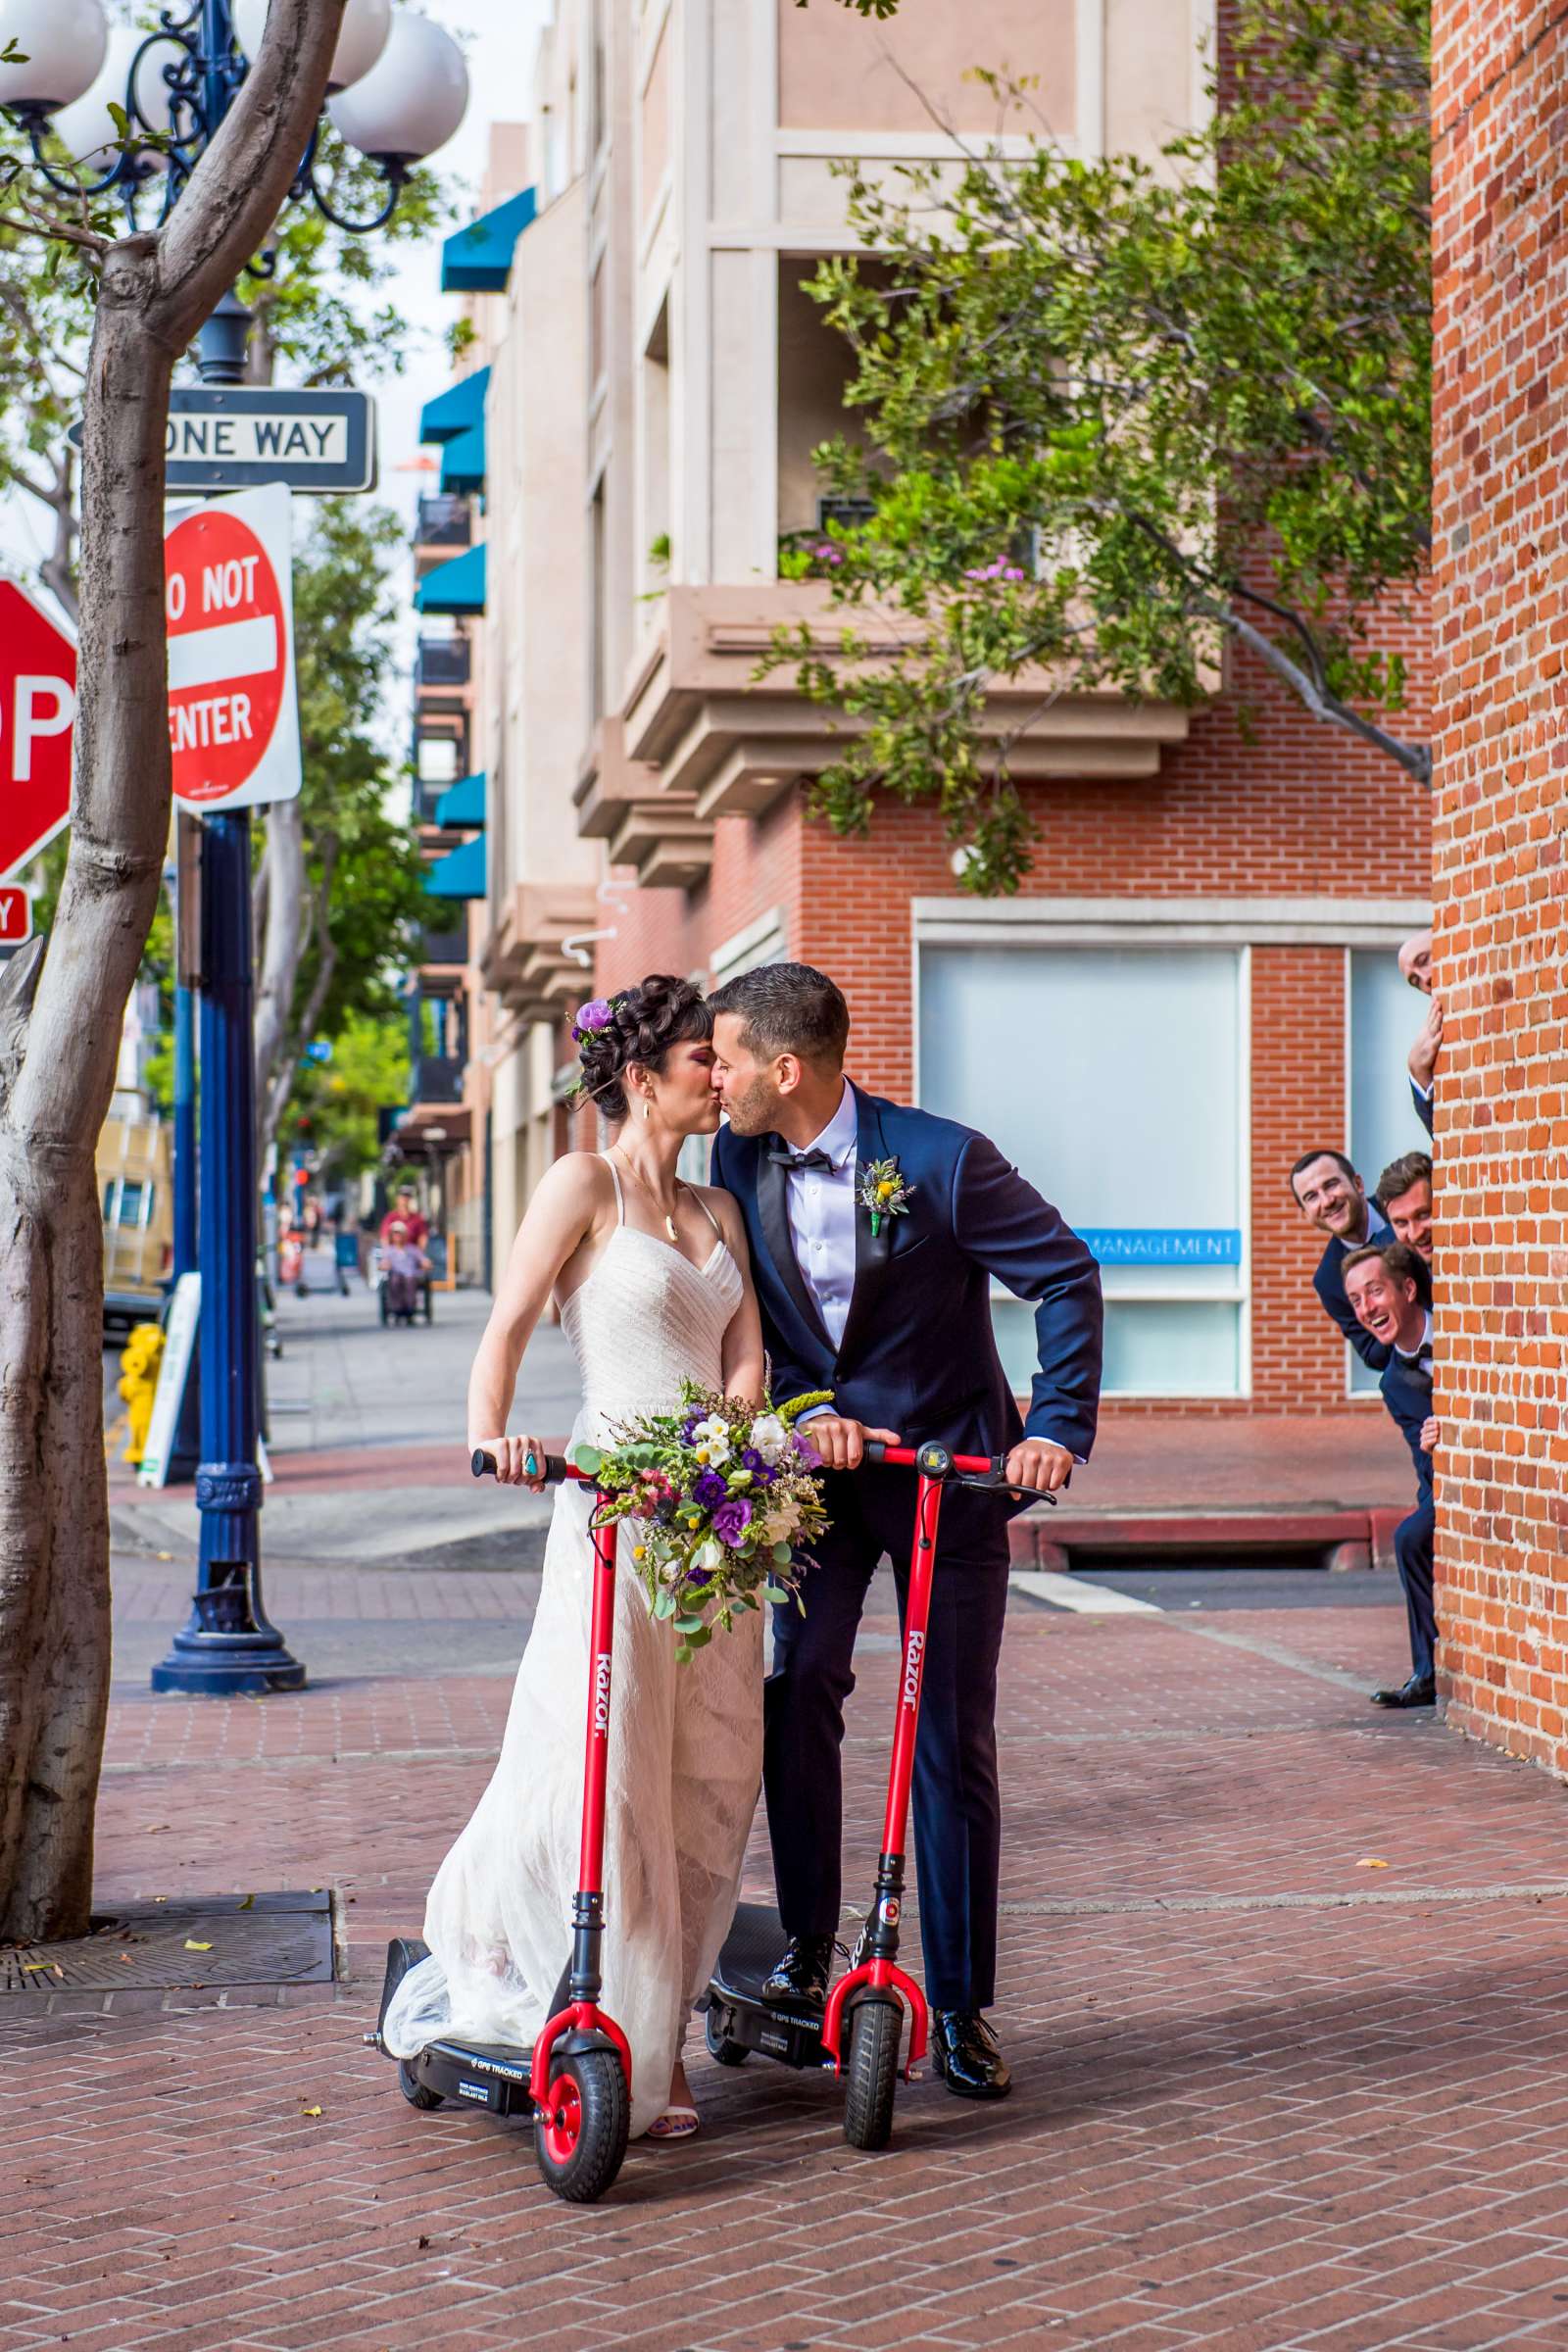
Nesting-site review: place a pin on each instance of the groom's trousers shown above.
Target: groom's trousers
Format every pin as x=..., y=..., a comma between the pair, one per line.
x=957, y=1806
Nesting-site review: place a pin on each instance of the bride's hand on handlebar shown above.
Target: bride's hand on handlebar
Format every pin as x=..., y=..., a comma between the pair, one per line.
x=512, y=1456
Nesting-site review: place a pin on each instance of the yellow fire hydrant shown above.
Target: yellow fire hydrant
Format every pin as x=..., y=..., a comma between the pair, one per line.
x=138, y=1384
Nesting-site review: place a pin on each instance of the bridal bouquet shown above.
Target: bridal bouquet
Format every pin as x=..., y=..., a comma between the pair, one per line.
x=719, y=1496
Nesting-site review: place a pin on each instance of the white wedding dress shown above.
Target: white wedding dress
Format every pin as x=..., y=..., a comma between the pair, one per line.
x=685, y=1741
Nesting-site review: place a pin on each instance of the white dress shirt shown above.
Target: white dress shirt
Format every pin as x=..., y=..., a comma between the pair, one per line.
x=821, y=1211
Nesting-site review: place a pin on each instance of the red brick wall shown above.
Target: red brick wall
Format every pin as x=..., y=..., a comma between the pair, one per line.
x=1501, y=626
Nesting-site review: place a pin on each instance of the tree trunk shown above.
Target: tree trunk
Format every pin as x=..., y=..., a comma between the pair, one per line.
x=63, y=1000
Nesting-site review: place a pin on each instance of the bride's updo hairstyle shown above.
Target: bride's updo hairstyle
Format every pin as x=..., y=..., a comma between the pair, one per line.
x=639, y=1025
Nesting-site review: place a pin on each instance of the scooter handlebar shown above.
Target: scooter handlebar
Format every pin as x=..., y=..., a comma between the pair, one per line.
x=968, y=1469
x=558, y=1469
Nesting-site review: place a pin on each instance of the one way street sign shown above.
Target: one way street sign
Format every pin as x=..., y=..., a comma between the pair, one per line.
x=237, y=436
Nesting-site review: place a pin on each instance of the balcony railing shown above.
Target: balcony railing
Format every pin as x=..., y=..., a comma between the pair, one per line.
x=444, y=662
x=445, y=947
x=444, y=520
x=437, y=1078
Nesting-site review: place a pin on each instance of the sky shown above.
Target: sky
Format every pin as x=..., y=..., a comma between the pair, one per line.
x=500, y=37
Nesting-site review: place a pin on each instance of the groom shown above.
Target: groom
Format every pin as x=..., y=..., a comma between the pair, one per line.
x=898, y=1325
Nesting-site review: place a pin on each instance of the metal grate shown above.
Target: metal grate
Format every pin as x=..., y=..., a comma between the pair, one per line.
x=249, y=1940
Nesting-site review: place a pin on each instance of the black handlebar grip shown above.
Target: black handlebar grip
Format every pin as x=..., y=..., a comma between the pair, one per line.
x=874, y=1449
x=483, y=1465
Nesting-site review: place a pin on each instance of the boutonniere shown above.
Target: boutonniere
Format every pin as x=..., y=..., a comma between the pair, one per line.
x=884, y=1191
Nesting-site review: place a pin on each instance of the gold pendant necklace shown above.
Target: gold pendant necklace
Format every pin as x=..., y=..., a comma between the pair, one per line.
x=669, y=1214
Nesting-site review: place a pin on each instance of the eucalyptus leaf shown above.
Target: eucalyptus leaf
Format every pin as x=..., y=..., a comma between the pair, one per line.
x=775, y=1593
x=589, y=1461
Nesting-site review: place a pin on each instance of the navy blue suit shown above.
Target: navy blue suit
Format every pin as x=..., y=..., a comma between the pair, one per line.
x=1329, y=1283
x=1407, y=1394
x=1423, y=1106
x=918, y=1356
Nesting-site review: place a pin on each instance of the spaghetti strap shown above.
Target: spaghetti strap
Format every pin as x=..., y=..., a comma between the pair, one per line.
x=615, y=1178
x=718, y=1230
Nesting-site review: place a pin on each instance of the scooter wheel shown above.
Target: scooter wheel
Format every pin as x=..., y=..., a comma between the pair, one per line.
x=417, y=2093
x=580, y=2138
x=875, y=2027
x=720, y=2046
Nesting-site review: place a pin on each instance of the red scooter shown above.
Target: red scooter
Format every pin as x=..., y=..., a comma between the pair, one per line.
x=577, y=2079
x=860, y=2032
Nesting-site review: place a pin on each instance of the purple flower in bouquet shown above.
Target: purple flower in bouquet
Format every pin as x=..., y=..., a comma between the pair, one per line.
x=753, y=1461
x=709, y=1490
x=732, y=1519
x=807, y=1451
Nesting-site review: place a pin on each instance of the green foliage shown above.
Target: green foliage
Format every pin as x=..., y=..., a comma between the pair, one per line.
x=1115, y=416
x=344, y=615
x=334, y=1105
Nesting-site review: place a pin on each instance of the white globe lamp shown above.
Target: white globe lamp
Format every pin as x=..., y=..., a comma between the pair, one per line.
x=365, y=27
x=413, y=100
x=87, y=129
x=62, y=44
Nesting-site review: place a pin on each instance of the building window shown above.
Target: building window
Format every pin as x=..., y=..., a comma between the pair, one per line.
x=1114, y=1078
x=1384, y=1013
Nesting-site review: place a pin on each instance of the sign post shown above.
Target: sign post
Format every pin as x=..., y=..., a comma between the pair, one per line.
x=233, y=728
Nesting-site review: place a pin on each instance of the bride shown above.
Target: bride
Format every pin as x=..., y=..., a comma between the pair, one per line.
x=652, y=1279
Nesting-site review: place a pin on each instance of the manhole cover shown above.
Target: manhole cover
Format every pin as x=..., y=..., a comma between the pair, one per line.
x=200, y=1940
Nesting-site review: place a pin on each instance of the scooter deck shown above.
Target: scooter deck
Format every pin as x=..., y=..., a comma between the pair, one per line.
x=476, y=2074
x=736, y=2010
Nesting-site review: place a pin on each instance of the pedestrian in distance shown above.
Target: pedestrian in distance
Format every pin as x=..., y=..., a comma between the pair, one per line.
x=405, y=1266
x=1390, y=1289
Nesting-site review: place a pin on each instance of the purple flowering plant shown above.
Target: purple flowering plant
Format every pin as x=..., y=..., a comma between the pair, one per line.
x=720, y=1500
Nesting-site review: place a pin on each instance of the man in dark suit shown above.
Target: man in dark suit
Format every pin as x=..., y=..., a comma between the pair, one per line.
x=1390, y=1291
x=1331, y=1195
x=893, y=1315
x=1416, y=968
x=1405, y=1188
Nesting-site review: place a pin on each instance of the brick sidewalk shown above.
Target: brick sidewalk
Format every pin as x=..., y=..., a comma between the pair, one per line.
x=1267, y=2098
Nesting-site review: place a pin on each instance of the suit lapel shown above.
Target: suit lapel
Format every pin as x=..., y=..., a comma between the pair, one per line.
x=873, y=1252
x=773, y=1210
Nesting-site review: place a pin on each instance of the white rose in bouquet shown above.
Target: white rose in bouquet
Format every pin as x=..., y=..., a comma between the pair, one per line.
x=770, y=1436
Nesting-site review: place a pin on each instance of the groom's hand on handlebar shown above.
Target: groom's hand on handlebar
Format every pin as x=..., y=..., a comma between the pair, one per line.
x=1039, y=1465
x=511, y=1457
x=842, y=1444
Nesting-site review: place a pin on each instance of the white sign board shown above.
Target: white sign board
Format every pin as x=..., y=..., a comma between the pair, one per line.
x=173, y=1372
x=233, y=711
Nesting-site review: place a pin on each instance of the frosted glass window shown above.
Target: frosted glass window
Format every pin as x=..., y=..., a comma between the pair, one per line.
x=1111, y=1076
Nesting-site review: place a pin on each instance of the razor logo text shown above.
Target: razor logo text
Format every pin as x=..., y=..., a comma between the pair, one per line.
x=911, y=1669
x=602, y=1694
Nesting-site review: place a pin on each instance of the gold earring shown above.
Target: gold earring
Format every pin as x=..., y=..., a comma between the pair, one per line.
x=648, y=1110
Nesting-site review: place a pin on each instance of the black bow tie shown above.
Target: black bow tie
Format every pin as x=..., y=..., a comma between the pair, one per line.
x=816, y=1158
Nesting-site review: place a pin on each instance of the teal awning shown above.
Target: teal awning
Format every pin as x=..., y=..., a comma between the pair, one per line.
x=462, y=461
x=463, y=802
x=455, y=587
x=457, y=409
x=477, y=260
x=460, y=874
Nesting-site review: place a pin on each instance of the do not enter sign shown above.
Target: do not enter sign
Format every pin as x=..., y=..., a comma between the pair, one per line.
x=233, y=720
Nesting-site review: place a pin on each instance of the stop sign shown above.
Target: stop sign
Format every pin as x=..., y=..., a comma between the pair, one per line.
x=233, y=725
x=37, y=705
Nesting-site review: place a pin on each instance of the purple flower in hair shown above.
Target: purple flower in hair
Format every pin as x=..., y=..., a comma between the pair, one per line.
x=732, y=1519
x=596, y=1015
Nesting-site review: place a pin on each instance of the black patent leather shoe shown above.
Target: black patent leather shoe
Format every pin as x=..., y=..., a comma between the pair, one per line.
x=1421, y=1690
x=965, y=2054
x=798, y=1981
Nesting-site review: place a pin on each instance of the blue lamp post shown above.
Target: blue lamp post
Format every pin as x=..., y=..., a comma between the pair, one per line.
x=400, y=90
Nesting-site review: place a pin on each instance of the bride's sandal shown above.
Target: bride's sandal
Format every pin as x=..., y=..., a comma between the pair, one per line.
x=676, y=2123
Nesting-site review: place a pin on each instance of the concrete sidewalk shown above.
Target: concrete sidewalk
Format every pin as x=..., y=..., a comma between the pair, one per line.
x=1282, y=1982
